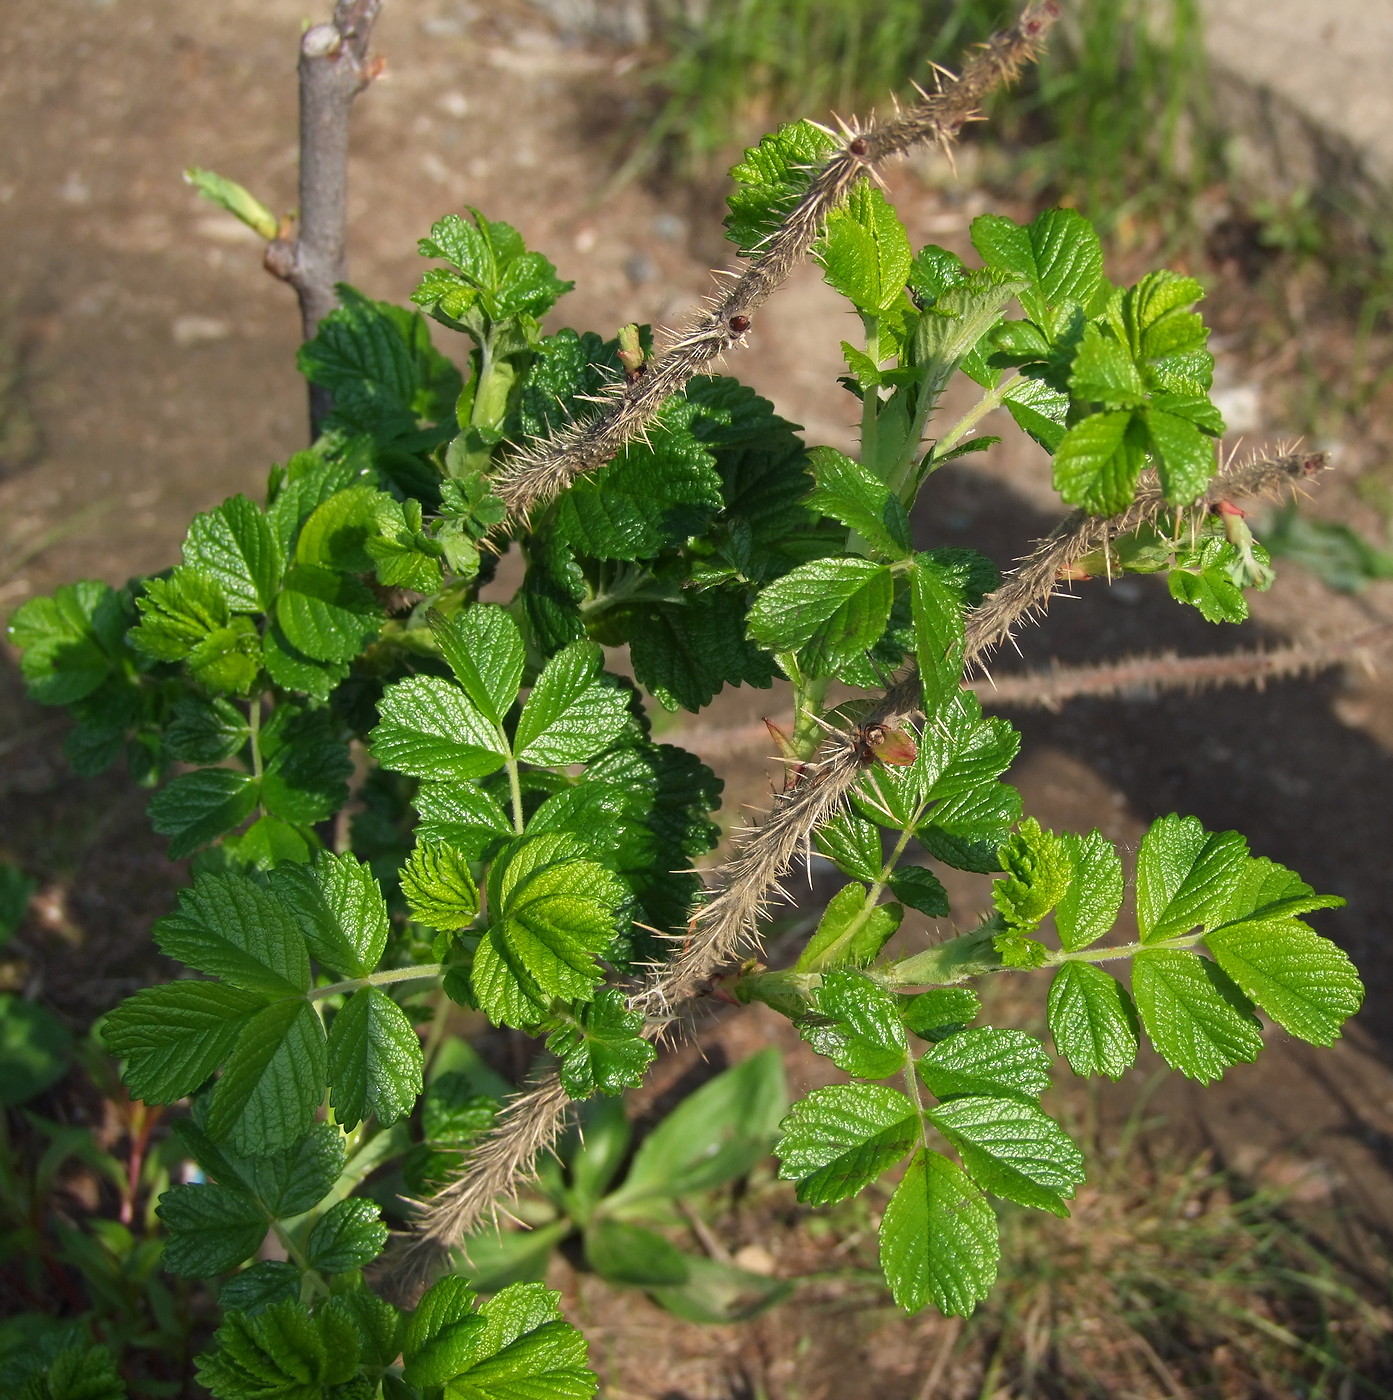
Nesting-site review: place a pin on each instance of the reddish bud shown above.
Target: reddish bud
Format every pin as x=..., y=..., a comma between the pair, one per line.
x=739, y=325
x=857, y=146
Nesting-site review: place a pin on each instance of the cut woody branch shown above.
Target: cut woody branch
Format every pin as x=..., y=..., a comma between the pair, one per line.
x=334, y=68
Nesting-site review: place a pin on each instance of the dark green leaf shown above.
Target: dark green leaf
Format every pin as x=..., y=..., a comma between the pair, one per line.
x=340, y=911
x=196, y=808
x=921, y=889
x=327, y=616
x=629, y=1254
x=211, y=1229
x=939, y=1013
x=35, y=1047
x=349, y=1235
x=255, y=1289
x=602, y=1049
x=205, y=731
x=830, y=611
x=856, y=1023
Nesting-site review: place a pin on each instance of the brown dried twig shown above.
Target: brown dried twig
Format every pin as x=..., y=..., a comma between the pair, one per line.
x=334, y=68
x=534, y=476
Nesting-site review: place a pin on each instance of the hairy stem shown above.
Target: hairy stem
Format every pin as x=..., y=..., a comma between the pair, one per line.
x=379, y=979
x=333, y=70
x=531, y=478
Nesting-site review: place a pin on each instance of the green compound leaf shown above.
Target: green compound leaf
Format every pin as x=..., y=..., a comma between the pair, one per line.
x=375, y=1061
x=1185, y=875
x=326, y=615
x=602, y=1050
x=921, y=889
x=850, y=934
x=1099, y=459
x=938, y=626
x=442, y=1334
x=848, y=492
x=771, y=179
x=230, y=927
x=1202, y=578
x=829, y=611
x=274, y=1082
x=1058, y=254
x=462, y=815
x=429, y=729
x=856, y=1023
x=179, y=612
x=340, y=911
x=553, y=912
x=439, y=889
x=1103, y=371
x=1012, y=1149
x=211, y=1229
x=288, y=1183
x=838, y=1140
x=196, y=808
x=939, y=1241
x=864, y=250
x=1090, y=904
x=966, y=830
x=986, y=1060
x=337, y=532
x=571, y=713
x=649, y=498
x=524, y=1351
x=1038, y=870
x=229, y=659
x=174, y=1036
x=349, y=1235
x=234, y=546
x=69, y=640
x=1038, y=410
x=484, y=649
x=1198, y=1019
x=1303, y=981
x=307, y=770
x=280, y=1353
x=1185, y=456
x=1092, y=1020
x=255, y=1289
x=853, y=843
x=71, y=1371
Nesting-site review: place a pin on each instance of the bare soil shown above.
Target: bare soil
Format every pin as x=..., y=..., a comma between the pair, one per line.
x=147, y=371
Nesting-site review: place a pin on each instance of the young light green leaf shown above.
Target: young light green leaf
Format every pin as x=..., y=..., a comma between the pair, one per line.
x=484, y=649
x=1099, y=459
x=1303, y=981
x=174, y=1036
x=1185, y=456
x=337, y=532
x=327, y=615
x=830, y=611
x=349, y=1235
x=279, y=1353
x=771, y=179
x=234, y=545
x=1196, y=1017
x=274, y=1081
x=1038, y=870
x=211, y=1229
x=837, y=1140
x=339, y=907
x=68, y=640
x=1012, y=1149
x=196, y=808
x=850, y=934
x=1185, y=875
x=714, y=1135
x=986, y=1060
x=938, y=628
x=238, y=201
x=375, y=1060
x=1038, y=410
x=571, y=713
x=939, y=1241
x=848, y=492
x=856, y=1023
x=438, y=887
x=865, y=251
x=853, y=843
x=429, y=729
x=441, y=1334
x=230, y=927
x=1092, y=1020
x=1090, y=904
x=1058, y=254
x=1103, y=372
x=602, y=1049
x=179, y=612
